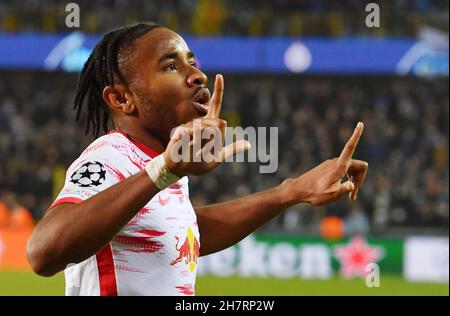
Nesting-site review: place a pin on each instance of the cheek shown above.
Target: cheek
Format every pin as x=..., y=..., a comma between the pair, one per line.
x=158, y=107
x=172, y=102
x=167, y=99
x=167, y=94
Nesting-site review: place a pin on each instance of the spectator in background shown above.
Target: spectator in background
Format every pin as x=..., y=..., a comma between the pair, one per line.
x=231, y=17
x=405, y=140
x=208, y=17
x=14, y=215
x=356, y=222
x=4, y=214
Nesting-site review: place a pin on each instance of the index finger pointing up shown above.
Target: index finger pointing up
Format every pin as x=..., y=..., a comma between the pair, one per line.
x=350, y=147
x=216, y=100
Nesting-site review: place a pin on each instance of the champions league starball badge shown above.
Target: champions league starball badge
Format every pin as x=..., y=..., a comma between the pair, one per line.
x=90, y=174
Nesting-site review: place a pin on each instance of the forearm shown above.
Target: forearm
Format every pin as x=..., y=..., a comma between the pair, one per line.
x=222, y=225
x=75, y=232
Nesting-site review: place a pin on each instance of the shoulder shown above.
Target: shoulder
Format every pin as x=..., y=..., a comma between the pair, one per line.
x=105, y=148
x=106, y=153
x=113, y=143
x=101, y=165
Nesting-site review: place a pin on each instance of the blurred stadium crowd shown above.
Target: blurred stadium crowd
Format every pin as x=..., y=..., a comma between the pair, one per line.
x=405, y=142
x=231, y=17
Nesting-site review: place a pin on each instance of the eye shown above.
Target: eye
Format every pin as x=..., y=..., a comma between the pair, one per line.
x=171, y=67
x=194, y=64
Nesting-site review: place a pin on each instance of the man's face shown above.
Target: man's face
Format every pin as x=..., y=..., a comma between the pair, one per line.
x=168, y=87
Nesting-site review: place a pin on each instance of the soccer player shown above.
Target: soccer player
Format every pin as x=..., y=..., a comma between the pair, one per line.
x=123, y=223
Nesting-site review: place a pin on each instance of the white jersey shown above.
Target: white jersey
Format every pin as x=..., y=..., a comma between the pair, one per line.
x=156, y=253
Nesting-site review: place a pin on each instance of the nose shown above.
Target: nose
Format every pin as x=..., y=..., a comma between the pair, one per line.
x=197, y=78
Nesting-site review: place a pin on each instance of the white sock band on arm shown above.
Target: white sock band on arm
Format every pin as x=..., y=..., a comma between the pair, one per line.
x=160, y=174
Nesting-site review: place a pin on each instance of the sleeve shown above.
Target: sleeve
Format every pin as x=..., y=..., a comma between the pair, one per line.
x=91, y=174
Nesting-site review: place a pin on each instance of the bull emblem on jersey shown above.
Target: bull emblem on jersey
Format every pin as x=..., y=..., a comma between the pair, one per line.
x=189, y=250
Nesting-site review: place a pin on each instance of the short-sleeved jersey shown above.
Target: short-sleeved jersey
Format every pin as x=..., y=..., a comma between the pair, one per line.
x=156, y=253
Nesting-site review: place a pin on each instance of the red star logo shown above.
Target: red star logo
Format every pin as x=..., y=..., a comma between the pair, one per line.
x=355, y=256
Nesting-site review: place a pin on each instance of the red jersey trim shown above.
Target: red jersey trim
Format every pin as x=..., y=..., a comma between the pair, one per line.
x=66, y=200
x=106, y=271
x=147, y=150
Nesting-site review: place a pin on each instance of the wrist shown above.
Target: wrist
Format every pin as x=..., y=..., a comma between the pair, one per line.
x=291, y=192
x=172, y=165
x=160, y=173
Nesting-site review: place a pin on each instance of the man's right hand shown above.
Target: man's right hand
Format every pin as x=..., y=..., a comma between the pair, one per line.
x=188, y=154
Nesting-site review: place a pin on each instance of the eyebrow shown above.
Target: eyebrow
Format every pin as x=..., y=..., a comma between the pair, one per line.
x=174, y=55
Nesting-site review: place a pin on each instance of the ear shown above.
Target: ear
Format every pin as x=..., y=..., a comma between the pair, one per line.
x=119, y=98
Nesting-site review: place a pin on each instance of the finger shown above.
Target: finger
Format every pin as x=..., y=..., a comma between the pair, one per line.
x=216, y=100
x=178, y=133
x=235, y=148
x=176, y=137
x=208, y=153
x=219, y=126
x=177, y=140
x=358, y=170
x=350, y=147
x=212, y=122
x=346, y=187
x=196, y=139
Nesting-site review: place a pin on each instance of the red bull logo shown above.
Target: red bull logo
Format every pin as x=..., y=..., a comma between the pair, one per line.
x=189, y=250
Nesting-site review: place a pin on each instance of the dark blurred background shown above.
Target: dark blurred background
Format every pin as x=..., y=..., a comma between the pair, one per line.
x=406, y=117
x=231, y=17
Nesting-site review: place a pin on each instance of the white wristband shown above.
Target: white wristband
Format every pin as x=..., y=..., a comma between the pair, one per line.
x=160, y=174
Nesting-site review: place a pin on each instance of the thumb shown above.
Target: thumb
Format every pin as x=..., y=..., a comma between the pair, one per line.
x=235, y=148
x=346, y=187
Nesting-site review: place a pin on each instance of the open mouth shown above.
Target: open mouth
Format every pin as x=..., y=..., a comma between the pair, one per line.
x=201, y=101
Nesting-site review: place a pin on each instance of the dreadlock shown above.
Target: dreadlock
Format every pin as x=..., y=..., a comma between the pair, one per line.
x=102, y=69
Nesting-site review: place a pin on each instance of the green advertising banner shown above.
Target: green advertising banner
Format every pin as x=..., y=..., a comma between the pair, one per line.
x=285, y=256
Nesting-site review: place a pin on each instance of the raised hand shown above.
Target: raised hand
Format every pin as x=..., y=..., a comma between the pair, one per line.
x=324, y=183
x=190, y=153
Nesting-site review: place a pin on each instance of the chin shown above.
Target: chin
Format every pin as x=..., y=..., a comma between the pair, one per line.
x=194, y=115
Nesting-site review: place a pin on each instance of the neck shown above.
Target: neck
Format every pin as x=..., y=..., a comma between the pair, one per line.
x=149, y=140
x=144, y=136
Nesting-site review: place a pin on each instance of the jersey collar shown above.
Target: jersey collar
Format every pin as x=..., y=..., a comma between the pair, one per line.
x=147, y=150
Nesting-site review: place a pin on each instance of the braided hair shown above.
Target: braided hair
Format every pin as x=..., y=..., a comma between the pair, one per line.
x=102, y=69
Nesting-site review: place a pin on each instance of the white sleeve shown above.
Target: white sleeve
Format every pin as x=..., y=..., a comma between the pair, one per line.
x=91, y=174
